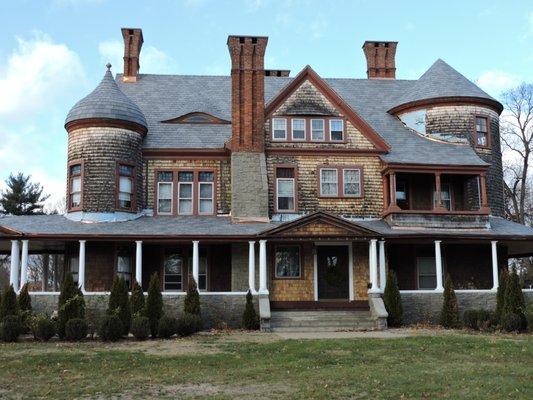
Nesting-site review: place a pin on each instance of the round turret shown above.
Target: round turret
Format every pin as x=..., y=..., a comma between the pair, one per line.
x=105, y=133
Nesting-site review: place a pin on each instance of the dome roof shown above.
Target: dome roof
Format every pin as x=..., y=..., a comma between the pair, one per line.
x=107, y=102
x=441, y=81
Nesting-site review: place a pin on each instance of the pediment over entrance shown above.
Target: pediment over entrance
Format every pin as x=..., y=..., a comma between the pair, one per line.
x=319, y=224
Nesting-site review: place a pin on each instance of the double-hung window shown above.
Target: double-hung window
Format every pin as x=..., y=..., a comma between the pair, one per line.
x=317, y=130
x=173, y=272
x=340, y=182
x=329, y=182
x=206, y=191
x=287, y=262
x=279, y=129
x=427, y=272
x=185, y=192
x=336, y=130
x=482, y=132
x=298, y=129
x=74, y=268
x=75, y=186
x=351, y=182
x=164, y=192
x=126, y=176
x=124, y=265
x=285, y=189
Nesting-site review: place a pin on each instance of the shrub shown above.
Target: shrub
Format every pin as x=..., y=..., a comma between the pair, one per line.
x=43, y=328
x=250, y=320
x=393, y=300
x=71, y=304
x=514, y=300
x=140, y=327
x=191, y=304
x=189, y=324
x=111, y=328
x=167, y=327
x=25, y=318
x=76, y=329
x=137, y=298
x=24, y=299
x=511, y=322
x=154, y=304
x=449, y=316
x=119, y=303
x=500, y=296
x=529, y=317
x=8, y=303
x=10, y=328
x=479, y=319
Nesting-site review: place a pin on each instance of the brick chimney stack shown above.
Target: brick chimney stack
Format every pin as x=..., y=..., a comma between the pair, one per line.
x=133, y=41
x=380, y=59
x=247, y=92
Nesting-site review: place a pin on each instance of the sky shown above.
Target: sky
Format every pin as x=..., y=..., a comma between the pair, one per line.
x=53, y=52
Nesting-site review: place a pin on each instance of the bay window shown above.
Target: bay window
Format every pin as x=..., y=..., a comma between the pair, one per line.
x=285, y=189
x=287, y=262
x=75, y=186
x=126, y=176
x=164, y=193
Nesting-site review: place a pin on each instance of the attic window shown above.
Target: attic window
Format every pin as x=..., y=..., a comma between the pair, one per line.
x=416, y=120
x=196, y=118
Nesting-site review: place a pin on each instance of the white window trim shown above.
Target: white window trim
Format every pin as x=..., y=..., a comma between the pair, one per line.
x=273, y=129
x=344, y=182
x=171, y=198
x=299, y=263
x=212, y=198
x=292, y=130
x=336, y=181
x=293, y=194
x=188, y=198
x=418, y=272
x=342, y=130
x=323, y=130
x=132, y=182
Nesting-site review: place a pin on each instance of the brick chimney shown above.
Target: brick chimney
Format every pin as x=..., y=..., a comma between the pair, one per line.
x=133, y=41
x=380, y=59
x=249, y=185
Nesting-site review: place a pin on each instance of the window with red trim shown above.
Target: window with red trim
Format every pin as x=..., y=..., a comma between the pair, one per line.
x=482, y=132
x=126, y=185
x=75, y=186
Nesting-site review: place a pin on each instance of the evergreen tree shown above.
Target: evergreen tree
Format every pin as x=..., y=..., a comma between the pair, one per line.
x=71, y=304
x=22, y=197
x=24, y=299
x=449, y=317
x=191, y=304
x=119, y=303
x=154, y=304
x=514, y=299
x=250, y=319
x=8, y=304
x=137, y=298
x=500, y=296
x=393, y=300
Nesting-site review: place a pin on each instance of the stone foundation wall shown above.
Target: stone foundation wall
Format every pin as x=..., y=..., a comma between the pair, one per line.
x=217, y=310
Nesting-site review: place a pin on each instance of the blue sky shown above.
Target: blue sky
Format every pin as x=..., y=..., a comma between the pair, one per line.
x=53, y=52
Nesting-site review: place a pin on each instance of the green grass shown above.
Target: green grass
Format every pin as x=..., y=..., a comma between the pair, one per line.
x=442, y=366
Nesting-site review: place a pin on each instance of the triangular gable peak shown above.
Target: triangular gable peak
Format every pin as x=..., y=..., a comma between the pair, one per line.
x=319, y=224
x=309, y=75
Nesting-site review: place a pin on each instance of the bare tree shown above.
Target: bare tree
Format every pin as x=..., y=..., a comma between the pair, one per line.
x=517, y=138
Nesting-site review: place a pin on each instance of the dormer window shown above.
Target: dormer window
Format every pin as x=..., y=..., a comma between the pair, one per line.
x=75, y=186
x=482, y=138
x=125, y=184
x=298, y=129
x=279, y=128
x=317, y=130
x=336, y=130
x=308, y=129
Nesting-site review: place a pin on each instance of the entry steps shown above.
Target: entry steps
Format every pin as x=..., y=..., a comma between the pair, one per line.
x=322, y=321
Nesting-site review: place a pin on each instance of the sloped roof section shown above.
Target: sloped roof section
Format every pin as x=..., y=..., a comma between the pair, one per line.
x=107, y=101
x=441, y=81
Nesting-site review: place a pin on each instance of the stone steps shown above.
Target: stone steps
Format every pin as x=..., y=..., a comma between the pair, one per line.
x=321, y=321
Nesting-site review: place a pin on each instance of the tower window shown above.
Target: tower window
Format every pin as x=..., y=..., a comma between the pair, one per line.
x=482, y=138
x=126, y=185
x=75, y=186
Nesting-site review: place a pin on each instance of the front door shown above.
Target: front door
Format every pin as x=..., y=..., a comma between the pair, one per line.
x=332, y=273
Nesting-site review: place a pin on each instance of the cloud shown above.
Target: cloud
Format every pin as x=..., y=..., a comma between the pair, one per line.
x=495, y=81
x=152, y=60
x=37, y=73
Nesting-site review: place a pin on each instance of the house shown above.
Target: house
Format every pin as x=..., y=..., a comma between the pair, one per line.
x=303, y=190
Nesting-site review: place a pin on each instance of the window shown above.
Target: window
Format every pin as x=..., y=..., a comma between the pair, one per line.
x=126, y=175
x=298, y=129
x=445, y=196
x=124, y=265
x=164, y=192
x=206, y=192
x=202, y=272
x=287, y=262
x=336, y=130
x=416, y=120
x=401, y=191
x=173, y=272
x=329, y=182
x=352, y=182
x=482, y=132
x=285, y=189
x=75, y=268
x=279, y=126
x=427, y=275
x=75, y=186
x=185, y=192
x=317, y=129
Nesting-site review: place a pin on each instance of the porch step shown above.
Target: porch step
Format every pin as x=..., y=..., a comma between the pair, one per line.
x=321, y=321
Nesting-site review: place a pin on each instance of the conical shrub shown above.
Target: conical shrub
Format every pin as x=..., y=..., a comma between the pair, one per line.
x=154, y=304
x=393, y=300
x=250, y=319
x=24, y=299
x=500, y=295
x=119, y=303
x=449, y=316
x=191, y=305
x=8, y=303
x=137, y=299
x=71, y=304
x=514, y=300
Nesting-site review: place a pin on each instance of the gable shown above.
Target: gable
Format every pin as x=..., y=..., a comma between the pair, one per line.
x=307, y=100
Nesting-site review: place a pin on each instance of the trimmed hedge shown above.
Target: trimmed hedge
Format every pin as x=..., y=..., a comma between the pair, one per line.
x=76, y=329
x=167, y=327
x=511, y=322
x=140, y=327
x=44, y=328
x=189, y=324
x=479, y=319
x=111, y=328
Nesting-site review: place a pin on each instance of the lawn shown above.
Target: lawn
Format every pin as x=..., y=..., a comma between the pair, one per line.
x=227, y=366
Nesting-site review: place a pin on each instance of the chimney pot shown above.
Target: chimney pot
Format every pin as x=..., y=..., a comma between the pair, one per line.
x=133, y=41
x=380, y=59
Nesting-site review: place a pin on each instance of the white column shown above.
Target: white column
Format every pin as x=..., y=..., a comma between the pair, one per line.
x=382, y=273
x=372, y=261
x=262, y=267
x=195, y=261
x=81, y=266
x=495, y=277
x=139, y=262
x=251, y=267
x=15, y=262
x=24, y=264
x=438, y=265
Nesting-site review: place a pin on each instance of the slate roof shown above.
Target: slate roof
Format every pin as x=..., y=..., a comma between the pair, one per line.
x=107, y=101
x=164, y=97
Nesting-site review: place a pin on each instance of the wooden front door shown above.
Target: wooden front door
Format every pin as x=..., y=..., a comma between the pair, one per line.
x=332, y=273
